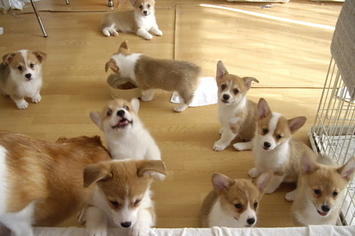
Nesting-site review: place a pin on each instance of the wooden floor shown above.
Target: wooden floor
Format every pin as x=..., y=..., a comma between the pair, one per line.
x=276, y=45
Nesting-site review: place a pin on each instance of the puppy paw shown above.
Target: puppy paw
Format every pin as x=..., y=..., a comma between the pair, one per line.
x=36, y=99
x=148, y=36
x=22, y=104
x=291, y=196
x=241, y=146
x=147, y=98
x=96, y=232
x=219, y=146
x=180, y=108
x=139, y=230
x=253, y=172
x=158, y=33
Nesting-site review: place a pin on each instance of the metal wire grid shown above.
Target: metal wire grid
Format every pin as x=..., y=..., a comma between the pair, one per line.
x=334, y=130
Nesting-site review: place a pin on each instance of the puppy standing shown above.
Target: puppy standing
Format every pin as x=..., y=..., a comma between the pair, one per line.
x=141, y=20
x=21, y=76
x=122, y=196
x=236, y=113
x=150, y=73
x=274, y=148
x=125, y=134
x=233, y=203
x=320, y=192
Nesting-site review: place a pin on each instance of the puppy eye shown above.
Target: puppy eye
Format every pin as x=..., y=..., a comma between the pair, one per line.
x=223, y=86
x=32, y=65
x=141, y=7
x=115, y=204
x=238, y=206
x=109, y=112
x=148, y=5
x=317, y=191
x=136, y=202
x=126, y=108
x=279, y=136
x=19, y=68
x=265, y=131
x=236, y=91
x=335, y=193
x=256, y=205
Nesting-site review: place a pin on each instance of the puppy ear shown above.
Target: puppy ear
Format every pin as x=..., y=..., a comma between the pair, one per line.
x=263, y=108
x=41, y=56
x=135, y=104
x=296, y=123
x=112, y=65
x=150, y=168
x=308, y=166
x=96, y=118
x=347, y=170
x=221, y=182
x=124, y=45
x=221, y=70
x=263, y=180
x=96, y=172
x=249, y=80
x=7, y=58
x=133, y=2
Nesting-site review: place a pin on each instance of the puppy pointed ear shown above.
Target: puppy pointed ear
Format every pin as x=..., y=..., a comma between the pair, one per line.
x=7, y=58
x=347, y=170
x=124, y=45
x=96, y=118
x=133, y=2
x=308, y=166
x=221, y=182
x=135, y=104
x=41, y=56
x=263, y=108
x=221, y=70
x=249, y=80
x=263, y=181
x=296, y=123
x=150, y=168
x=96, y=172
x=112, y=65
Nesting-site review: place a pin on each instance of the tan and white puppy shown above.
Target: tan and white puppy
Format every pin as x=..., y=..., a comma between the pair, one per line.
x=274, y=148
x=122, y=196
x=41, y=183
x=320, y=192
x=126, y=136
x=151, y=73
x=233, y=203
x=141, y=20
x=236, y=113
x=21, y=76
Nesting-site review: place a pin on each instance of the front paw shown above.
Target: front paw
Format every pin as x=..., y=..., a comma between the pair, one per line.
x=158, y=33
x=253, y=172
x=22, y=104
x=98, y=231
x=291, y=196
x=37, y=98
x=219, y=146
x=139, y=231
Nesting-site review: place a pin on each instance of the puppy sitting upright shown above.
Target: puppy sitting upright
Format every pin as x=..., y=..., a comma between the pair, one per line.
x=21, y=76
x=141, y=20
x=233, y=203
x=236, y=113
x=125, y=134
x=274, y=148
x=150, y=73
x=320, y=192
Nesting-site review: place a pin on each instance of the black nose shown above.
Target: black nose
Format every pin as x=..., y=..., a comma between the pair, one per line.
x=251, y=221
x=28, y=76
x=226, y=96
x=267, y=145
x=325, y=208
x=121, y=113
x=145, y=12
x=126, y=224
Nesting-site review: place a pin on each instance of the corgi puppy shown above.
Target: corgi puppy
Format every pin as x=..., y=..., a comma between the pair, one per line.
x=41, y=182
x=274, y=149
x=150, y=73
x=141, y=20
x=21, y=76
x=122, y=196
x=233, y=203
x=124, y=132
x=236, y=113
x=320, y=192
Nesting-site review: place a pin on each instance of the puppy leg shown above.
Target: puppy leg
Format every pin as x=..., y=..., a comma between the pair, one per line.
x=274, y=184
x=224, y=141
x=20, y=102
x=96, y=222
x=291, y=196
x=37, y=98
x=148, y=95
x=254, y=172
x=144, y=34
x=110, y=30
x=155, y=30
x=187, y=96
x=243, y=146
x=144, y=222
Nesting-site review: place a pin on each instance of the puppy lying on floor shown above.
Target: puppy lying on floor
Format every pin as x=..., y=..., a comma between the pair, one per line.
x=41, y=183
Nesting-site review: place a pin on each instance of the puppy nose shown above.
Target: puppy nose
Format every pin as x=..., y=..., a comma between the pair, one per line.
x=126, y=224
x=325, y=208
x=267, y=145
x=28, y=75
x=145, y=12
x=251, y=221
x=226, y=96
x=121, y=113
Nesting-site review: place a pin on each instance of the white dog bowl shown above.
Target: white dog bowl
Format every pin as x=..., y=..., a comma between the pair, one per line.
x=122, y=87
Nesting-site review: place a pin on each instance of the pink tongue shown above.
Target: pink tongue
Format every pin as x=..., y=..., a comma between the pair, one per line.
x=123, y=122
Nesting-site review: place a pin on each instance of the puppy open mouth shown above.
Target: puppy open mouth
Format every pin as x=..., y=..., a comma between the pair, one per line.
x=122, y=123
x=322, y=213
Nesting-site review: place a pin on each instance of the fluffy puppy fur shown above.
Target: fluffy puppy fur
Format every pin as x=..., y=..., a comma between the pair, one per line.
x=141, y=20
x=274, y=148
x=125, y=134
x=236, y=113
x=320, y=192
x=233, y=203
x=41, y=182
x=122, y=196
x=21, y=76
x=150, y=73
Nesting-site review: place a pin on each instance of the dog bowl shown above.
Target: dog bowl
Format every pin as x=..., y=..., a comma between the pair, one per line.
x=123, y=87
